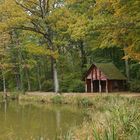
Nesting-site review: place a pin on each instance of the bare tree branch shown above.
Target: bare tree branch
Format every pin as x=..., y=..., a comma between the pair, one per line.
x=41, y=8
x=30, y=29
x=47, y=6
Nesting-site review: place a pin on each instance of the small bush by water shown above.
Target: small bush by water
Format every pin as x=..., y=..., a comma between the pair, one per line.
x=84, y=102
x=57, y=99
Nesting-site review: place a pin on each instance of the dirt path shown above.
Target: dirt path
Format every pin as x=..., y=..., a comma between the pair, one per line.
x=124, y=94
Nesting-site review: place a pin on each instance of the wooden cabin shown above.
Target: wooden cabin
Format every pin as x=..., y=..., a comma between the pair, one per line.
x=104, y=77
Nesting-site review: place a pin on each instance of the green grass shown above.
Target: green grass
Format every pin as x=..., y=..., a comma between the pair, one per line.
x=111, y=118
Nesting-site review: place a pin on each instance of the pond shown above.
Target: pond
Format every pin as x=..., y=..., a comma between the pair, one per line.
x=23, y=121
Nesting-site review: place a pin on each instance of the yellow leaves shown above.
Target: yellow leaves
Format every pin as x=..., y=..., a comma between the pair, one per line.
x=78, y=29
x=60, y=19
x=54, y=54
x=4, y=38
x=132, y=53
x=40, y=50
x=5, y=66
x=29, y=63
x=11, y=15
x=103, y=6
x=116, y=22
x=35, y=49
x=126, y=57
x=67, y=22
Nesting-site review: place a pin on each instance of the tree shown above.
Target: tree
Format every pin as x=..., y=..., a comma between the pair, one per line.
x=5, y=66
x=36, y=17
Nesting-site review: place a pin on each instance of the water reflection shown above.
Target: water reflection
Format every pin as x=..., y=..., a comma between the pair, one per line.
x=36, y=121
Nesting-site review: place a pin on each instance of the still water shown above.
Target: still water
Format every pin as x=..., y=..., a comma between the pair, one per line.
x=23, y=121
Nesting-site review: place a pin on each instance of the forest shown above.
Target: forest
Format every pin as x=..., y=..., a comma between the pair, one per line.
x=48, y=45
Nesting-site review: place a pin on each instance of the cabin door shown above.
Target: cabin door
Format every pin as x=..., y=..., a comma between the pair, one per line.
x=88, y=85
x=96, y=86
x=103, y=86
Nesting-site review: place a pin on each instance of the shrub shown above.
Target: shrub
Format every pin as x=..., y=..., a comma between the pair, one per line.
x=57, y=99
x=76, y=86
x=47, y=85
x=72, y=83
x=135, y=86
x=84, y=102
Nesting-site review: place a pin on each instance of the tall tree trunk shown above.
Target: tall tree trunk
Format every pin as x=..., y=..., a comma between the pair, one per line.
x=28, y=79
x=17, y=80
x=38, y=77
x=127, y=66
x=4, y=84
x=55, y=77
x=21, y=78
x=21, y=69
x=53, y=64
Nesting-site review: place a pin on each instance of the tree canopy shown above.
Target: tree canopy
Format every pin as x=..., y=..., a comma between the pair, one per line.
x=49, y=44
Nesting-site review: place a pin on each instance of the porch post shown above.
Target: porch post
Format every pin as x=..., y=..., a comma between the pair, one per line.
x=91, y=85
x=106, y=86
x=100, y=87
x=92, y=81
x=85, y=85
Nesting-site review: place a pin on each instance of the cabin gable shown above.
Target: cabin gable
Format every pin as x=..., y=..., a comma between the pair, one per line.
x=96, y=74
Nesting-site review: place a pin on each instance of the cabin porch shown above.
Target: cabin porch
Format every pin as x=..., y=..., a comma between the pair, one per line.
x=104, y=85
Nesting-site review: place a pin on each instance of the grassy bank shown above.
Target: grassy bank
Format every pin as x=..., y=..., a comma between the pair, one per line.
x=58, y=99
x=106, y=117
x=110, y=118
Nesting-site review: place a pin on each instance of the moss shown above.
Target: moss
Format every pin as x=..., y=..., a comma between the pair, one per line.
x=111, y=71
